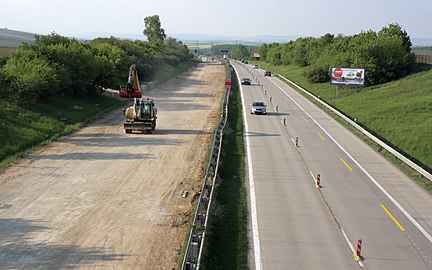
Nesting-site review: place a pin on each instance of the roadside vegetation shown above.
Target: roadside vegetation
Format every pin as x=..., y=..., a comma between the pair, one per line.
x=385, y=55
x=25, y=127
x=398, y=112
x=396, y=102
x=226, y=242
x=422, y=50
x=237, y=51
x=53, y=86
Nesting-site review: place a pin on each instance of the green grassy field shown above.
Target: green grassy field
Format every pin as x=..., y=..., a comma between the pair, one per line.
x=226, y=243
x=24, y=128
x=166, y=72
x=6, y=51
x=422, y=50
x=13, y=38
x=399, y=112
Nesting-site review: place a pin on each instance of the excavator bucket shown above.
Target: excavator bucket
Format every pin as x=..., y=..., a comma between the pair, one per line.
x=133, y=88
x=131, y=93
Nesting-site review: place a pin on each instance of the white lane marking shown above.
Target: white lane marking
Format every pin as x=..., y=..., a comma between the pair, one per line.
x=313, y=177
x=390, y=197
x=343, y=232
x=350, y=244
x=255, y=232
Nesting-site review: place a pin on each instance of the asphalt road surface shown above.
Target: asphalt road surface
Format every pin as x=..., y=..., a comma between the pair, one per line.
x=298, y=226
x=103, y=199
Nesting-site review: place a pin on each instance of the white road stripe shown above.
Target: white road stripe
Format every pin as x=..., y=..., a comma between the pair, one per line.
x=350, y=245
x=410, y=218
x=255, y=232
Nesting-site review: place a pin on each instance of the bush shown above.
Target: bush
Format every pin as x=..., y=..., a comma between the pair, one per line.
x=385, y=55
x=30, y=80
x=317, y=74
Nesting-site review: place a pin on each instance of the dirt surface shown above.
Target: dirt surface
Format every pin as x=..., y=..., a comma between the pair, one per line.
x=103, y=199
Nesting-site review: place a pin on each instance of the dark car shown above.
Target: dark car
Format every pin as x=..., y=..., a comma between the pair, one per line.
x=246, y=62
x=267, y=73
x=246, y=81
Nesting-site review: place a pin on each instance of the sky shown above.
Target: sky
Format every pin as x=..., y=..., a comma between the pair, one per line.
x=218, y=17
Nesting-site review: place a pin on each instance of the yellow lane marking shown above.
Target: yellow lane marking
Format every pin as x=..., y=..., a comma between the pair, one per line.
x=346, y=164
x=305, y=119
x=322, y=138
x=392, y=217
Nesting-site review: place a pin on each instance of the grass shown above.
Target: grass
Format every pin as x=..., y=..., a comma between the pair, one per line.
x=26, y=127
x=166, y=72
x=6, y=51
x=398, y=112
x=422, y=50
x=226, y=242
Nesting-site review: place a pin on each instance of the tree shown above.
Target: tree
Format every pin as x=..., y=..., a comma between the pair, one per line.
x=153, y=31
x=30, y=80
x=395, y=29
x=240, y=52
x=3, y=60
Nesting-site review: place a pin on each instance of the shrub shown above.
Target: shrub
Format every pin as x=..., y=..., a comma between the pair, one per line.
x=317, y=74
x=30, y=80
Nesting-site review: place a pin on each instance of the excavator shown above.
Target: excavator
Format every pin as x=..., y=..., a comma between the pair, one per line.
x=142, y=115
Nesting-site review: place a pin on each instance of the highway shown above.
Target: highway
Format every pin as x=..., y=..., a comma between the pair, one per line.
x=298, y=226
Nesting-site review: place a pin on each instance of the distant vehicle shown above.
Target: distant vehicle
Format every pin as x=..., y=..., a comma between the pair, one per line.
x=246, y=62
x=246, y=81
x=255, y=66
x=242, y=61
x=258, y=107
x=267, y=73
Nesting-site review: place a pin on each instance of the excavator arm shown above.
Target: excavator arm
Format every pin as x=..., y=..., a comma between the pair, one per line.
x=133, y=88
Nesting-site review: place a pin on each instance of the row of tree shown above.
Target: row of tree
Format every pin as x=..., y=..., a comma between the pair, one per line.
x=386, y=55
x=237, y=51
x=54, y=64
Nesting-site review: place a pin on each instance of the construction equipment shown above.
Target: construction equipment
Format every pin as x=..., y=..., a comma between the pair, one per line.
x=141, y=116
x=133, y=88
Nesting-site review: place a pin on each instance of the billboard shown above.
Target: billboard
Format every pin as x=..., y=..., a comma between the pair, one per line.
x=347, y=76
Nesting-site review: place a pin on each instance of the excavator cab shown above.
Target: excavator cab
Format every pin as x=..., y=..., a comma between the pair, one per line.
x=146, y=109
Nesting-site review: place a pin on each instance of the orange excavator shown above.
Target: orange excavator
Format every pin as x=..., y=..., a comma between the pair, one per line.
x=133, y=88
x=142, y=114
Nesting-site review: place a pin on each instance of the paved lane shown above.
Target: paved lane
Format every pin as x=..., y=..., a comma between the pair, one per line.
x=300, y=227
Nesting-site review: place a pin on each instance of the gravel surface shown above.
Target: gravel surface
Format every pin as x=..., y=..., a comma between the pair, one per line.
x=103, y=199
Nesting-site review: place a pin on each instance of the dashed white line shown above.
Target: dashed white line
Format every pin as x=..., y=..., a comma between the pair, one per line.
x=407, y=215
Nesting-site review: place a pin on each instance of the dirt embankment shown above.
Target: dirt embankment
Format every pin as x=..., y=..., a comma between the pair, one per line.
x=101, y=198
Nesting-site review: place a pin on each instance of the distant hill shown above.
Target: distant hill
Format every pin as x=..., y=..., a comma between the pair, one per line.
x=196, y=38
x=421, y=42
x=12, y=38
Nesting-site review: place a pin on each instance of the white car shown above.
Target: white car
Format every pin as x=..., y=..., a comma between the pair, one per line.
x=258, y=107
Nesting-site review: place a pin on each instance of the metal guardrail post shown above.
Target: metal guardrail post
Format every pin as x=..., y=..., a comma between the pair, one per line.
x=393, y=151
x=192, y=257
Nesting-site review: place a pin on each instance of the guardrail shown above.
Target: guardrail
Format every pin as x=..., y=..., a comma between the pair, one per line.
x=407, y=161
x=192, y=257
